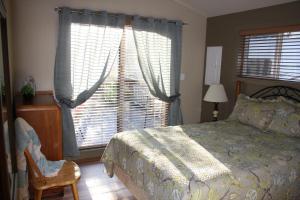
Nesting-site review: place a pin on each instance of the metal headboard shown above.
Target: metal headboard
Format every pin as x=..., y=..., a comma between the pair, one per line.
x=276, y=91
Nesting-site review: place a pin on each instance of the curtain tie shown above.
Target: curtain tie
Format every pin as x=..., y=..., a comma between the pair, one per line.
x=174, y=97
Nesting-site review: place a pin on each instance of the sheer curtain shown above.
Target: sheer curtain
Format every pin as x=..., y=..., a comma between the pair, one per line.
x=82, y=64
x=158, y=45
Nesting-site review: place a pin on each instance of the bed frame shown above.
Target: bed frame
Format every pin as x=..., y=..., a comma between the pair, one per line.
x=265, y=93
x=138, y=193
x=272, y=92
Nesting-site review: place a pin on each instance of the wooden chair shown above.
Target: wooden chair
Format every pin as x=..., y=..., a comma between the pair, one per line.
x=67, y=176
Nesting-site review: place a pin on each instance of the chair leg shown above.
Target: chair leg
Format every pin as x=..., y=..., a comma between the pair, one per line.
x=74, y=191
x=38, y=194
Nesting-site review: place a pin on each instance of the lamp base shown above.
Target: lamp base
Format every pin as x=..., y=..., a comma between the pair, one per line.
x=215, y=113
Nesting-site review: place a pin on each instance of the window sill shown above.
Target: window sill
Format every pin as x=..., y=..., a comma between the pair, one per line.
x=88, y=155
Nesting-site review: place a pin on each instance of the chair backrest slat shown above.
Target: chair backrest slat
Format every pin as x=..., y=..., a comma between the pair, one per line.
x=33, y=168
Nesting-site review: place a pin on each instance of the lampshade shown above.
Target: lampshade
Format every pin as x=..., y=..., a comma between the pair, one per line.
x=216, y=93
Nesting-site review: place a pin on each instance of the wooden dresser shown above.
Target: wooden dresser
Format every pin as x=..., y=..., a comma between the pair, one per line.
x=44, y=115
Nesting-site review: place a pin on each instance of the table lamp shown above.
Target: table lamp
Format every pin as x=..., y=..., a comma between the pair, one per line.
x=216, y=94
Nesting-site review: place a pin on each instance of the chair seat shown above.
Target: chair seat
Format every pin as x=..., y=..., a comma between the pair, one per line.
x=68, y=174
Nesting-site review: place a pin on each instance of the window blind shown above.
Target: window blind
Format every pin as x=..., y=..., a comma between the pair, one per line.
x=123, y=102
x=138, y=108
x=274, y=55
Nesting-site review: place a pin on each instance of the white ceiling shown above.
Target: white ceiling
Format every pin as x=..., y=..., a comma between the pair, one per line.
x=212, y=8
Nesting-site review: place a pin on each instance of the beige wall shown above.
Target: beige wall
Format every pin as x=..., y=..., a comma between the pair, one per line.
x=224, y=31
x=35, y=25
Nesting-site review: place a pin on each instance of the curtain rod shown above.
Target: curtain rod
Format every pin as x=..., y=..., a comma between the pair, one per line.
x=57, y=9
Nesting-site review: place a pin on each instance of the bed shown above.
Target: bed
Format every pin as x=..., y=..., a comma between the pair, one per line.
x=228, y=159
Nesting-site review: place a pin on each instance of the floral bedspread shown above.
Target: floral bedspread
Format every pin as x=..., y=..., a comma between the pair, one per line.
x=208, y=161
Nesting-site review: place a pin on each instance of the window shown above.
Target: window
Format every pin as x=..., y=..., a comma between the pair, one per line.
x=270, y=54
x=123, y=102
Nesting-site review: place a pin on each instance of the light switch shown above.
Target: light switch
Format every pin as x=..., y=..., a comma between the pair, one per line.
x=182, y=76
